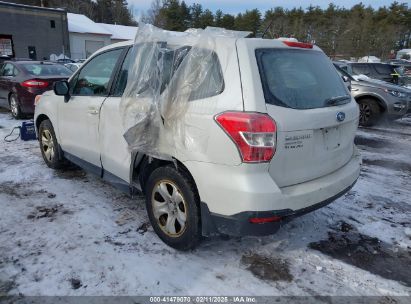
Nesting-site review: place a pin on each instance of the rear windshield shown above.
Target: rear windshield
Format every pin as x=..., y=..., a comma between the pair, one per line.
x=38, y=69
x=300, y=79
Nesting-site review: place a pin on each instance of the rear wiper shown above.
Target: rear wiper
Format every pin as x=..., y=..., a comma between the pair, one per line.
x=335, y=100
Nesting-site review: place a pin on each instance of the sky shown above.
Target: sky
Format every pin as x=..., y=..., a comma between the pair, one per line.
x=237, y=6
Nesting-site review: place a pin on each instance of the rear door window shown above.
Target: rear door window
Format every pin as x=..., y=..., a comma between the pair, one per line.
x=299, y=79
x=173, y=62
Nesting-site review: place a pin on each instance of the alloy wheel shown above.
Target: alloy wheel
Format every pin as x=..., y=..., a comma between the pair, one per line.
x=47, y=144
x=365, y=113
x=14, y=106
x=169, y=208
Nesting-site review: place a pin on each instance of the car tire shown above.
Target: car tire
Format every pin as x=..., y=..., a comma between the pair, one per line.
x=173, y=207
x=15, y=107
x=370, y=112
x=50, y=149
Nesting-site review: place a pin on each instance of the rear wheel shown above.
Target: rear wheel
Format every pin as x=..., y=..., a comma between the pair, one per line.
x=370, y=112
x=49, y=147
x=173, y=208
x=15, y=107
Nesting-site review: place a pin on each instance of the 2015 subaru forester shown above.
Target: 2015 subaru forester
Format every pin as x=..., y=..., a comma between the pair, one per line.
x=280, y=141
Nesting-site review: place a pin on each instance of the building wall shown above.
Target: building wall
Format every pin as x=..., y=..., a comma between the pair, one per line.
x=78, y=43
x=32, y=27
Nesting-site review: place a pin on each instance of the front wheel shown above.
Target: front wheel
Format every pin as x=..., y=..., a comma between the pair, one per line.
x=370, y=112
x=49, y=147
x=173, y=208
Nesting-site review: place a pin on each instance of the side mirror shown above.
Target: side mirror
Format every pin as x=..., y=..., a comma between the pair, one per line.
x=345, y=78
x=61, y=88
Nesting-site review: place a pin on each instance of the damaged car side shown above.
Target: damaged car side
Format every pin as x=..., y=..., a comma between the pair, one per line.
x=222, y=133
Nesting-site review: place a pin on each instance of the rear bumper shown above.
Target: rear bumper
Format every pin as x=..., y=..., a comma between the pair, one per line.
x=239, y=224
x=232, y=198
x=26, y=99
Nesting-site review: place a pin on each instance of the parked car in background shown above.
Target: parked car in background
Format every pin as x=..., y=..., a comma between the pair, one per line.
x=398, y=62
x=403, y=53
x=73, y=66
x=21, y=81
x=404, y=71
x=375, y=97
x=286, y=127
x=65, y=60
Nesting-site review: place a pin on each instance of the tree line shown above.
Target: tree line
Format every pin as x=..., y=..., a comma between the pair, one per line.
x=340, y=32
x=104, y=11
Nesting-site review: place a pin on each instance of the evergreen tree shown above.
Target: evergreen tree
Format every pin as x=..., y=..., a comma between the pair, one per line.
x=196, y=11
x=206, y=19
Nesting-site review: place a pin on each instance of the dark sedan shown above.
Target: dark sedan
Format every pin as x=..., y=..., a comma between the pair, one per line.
x=21, y=81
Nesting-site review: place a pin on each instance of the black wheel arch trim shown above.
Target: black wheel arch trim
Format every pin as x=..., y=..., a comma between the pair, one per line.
x=377, y=98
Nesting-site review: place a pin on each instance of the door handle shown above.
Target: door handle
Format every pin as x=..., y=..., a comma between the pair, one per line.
x=93, y=111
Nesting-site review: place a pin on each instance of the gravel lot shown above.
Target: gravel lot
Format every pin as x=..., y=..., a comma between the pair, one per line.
x=69, y=233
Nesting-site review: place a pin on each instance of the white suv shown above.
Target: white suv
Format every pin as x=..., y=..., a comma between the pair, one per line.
x=279, y=143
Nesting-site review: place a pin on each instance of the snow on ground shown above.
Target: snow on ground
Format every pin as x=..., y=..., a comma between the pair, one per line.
x=69, y=233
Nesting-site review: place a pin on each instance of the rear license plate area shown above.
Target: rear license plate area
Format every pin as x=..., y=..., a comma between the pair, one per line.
x=332, y=138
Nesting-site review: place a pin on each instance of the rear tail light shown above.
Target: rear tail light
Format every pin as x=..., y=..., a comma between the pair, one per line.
x=35, y=83
x=253, y=133
x=302, y=45
x=262, y=220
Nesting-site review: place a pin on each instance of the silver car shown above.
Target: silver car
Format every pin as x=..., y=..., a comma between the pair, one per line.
x=376, y=98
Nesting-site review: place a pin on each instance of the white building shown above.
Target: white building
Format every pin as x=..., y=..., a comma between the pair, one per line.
x=87, y=36
x=120, y=32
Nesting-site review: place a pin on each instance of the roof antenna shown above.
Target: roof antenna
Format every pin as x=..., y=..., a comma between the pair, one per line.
x=268, y=26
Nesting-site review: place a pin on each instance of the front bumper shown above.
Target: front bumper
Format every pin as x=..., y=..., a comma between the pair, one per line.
x=396, y=108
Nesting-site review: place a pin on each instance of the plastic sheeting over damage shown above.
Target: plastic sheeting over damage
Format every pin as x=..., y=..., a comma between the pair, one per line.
x=168, y=70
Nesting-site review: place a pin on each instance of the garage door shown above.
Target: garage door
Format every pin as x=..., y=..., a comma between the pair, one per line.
x=92, y=46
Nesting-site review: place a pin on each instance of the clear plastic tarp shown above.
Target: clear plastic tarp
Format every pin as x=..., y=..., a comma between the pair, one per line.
x=168, y=70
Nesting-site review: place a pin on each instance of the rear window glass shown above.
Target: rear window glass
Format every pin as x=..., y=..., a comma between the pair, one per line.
x=38, y=69
x=299, y=79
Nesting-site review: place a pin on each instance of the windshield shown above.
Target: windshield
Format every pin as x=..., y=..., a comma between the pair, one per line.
x=38, y=69
x=300, y=79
